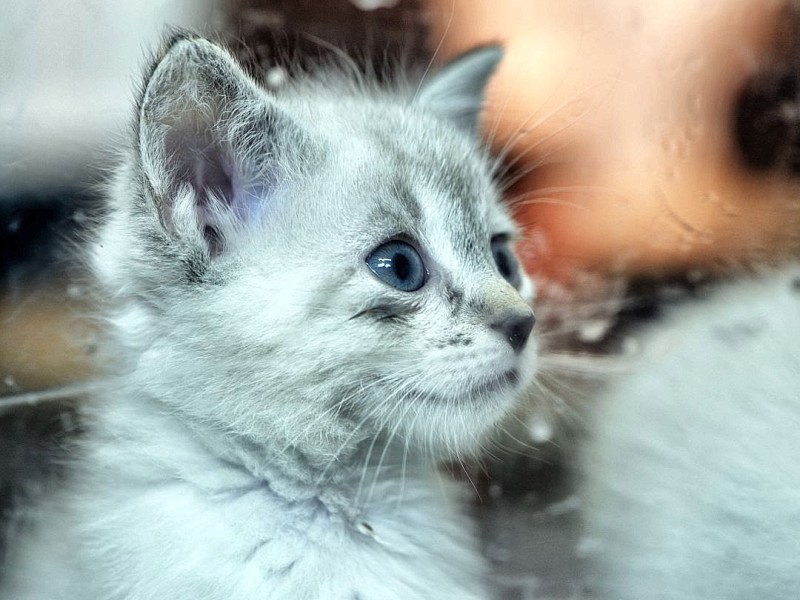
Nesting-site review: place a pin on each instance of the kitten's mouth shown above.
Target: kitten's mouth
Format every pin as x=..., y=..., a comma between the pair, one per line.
x=500, y=382
x=497, y=382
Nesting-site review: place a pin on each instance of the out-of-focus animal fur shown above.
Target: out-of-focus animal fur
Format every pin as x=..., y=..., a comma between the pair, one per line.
x=693, y=471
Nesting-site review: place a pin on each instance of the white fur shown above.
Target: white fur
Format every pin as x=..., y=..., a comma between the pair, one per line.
x=271, y=435
x=159, y=516
x=693, y=471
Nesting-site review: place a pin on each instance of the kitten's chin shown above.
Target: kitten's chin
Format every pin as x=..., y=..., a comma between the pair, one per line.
x=458, y=424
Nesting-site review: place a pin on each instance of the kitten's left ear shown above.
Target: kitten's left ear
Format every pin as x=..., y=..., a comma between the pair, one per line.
x=208, y=138
x=457, y=91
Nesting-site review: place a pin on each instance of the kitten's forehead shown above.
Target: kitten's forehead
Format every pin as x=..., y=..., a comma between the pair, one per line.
x=445, y=183
x=438, y=187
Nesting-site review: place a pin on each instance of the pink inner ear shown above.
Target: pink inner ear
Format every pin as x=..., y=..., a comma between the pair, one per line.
x=251, y=196
x=196, y=158
x=222, y=193
x=211, y=175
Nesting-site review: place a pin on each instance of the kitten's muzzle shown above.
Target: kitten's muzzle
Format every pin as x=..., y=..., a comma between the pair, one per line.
x=515, y=326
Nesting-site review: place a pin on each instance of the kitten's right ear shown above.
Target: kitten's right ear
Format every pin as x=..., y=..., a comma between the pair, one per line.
x=206, y=142
x=456, y=92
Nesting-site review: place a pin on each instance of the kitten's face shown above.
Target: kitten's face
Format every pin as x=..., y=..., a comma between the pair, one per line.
x=365, y=283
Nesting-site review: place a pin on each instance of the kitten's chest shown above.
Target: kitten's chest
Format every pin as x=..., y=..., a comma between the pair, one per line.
x=245, y=538
x=386, y=547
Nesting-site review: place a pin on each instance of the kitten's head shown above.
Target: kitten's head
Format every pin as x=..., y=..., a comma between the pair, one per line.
x=319, y=264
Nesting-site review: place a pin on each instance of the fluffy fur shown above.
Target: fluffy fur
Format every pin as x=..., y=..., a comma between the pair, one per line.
x=693, y=472
x=276, y=426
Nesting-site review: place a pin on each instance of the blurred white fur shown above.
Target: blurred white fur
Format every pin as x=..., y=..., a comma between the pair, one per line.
x=693, y=470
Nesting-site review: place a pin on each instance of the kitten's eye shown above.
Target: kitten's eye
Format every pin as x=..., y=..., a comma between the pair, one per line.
x=506, y=261
x=399, y=265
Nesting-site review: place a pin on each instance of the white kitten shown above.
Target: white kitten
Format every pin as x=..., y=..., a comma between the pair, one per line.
x=317, y=301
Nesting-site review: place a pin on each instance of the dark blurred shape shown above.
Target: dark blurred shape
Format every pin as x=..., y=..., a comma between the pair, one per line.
x=269, y=33
x=767, y=113
x=768, y=120
x=39, y=232
x=27, y=436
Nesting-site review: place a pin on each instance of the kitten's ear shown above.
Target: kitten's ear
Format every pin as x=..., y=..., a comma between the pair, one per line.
x=206, y=141
x=457, y=91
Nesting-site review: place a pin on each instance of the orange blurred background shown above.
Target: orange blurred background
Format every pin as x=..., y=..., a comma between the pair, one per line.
x=618, y=118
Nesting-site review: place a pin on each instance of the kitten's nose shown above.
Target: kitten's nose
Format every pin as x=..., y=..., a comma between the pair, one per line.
x=516, y=326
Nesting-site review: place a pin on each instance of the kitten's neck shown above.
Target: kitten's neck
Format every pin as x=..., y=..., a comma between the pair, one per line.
x=320, y=467
x=344, y=478
x=306, y=466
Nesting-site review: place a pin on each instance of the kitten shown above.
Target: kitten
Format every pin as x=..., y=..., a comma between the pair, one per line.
x=693, y=471
x=318, y=300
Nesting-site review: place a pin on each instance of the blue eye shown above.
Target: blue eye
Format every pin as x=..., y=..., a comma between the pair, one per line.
x=399, y=265
x=506, y=261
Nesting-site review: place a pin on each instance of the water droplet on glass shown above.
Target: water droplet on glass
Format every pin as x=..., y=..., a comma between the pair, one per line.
x=630, y=346
x=540, y=430
x=276, y=77
x=498, y=554
x=671, y=293
x=592, y=331
x=587, y=545
x=709, y=198
x=693, y=64
x=695, y=275
x=74, y=291
x=80, y=217
x=495, y=491
x=568, y=505
x=531, y=499
x=729, y=210
x=373, y=4
x=67, y=422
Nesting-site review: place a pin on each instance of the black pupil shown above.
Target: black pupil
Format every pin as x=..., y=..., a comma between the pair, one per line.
x=501, y=258
x=402, y=267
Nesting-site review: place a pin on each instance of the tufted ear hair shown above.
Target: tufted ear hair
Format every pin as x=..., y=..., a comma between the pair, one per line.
x=207, y=141
x=456, y=91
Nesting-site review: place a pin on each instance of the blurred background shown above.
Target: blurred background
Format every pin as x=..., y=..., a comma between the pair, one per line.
x=650, y=150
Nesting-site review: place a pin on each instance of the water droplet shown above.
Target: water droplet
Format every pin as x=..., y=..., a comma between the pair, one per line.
x=540, y=430
x=568, y=505
x=531, y=499
x=495, y=490
x=709, y=198
x=67, y=421
x=586, y=546
x=668, y=144
x=696, y=103
x=498, y=554
x=671, y=293
x=373, y=4
x=693, y=64
x=630, y=346
x=276, y=77
x=592, y=331
x=10, y=382
x=74, y=291
x=729, y=210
